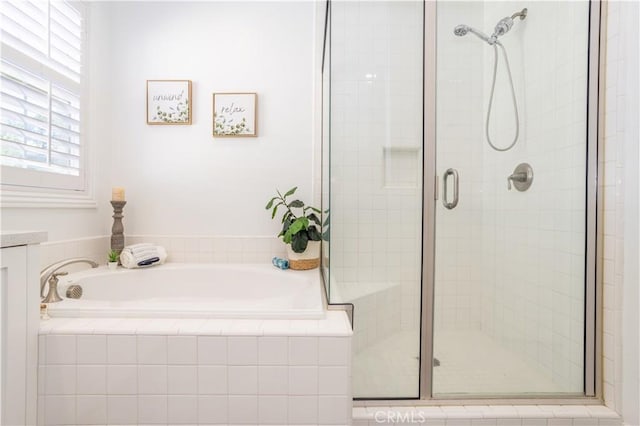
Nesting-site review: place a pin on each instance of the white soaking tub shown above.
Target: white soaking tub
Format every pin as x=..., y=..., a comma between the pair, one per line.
x=193, y=291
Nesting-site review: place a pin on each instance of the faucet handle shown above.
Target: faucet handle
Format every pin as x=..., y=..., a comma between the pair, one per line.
x=517, y=177
x=54, y=277
x=52, y=296
x=521, y=177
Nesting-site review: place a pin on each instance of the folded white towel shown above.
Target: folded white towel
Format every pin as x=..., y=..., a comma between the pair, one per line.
x=140, y=255
x=136, y=249
x=147, y=253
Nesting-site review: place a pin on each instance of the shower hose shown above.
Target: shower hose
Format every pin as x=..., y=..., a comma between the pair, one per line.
x=513, y=97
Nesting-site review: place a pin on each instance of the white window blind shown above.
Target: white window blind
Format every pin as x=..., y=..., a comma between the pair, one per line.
x=50, y=32
x=40, y=93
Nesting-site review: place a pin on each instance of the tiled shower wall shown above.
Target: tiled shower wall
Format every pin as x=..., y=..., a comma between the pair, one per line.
x=376, y=147
x=460, y=105
x=613, y=244
x=510, y=263
x=532, y=248
x=620, y=182
x=512, y=302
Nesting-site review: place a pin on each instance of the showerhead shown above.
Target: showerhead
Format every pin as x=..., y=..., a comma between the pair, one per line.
x=462, y=30
x=502, y=27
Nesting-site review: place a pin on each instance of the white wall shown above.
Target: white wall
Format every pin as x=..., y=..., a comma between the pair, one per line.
x=60, y=223
x=180, y=180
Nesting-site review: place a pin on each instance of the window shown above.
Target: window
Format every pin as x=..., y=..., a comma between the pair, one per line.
x=42, y=144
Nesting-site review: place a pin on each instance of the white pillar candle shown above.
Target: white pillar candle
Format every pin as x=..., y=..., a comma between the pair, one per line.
x=117, y=194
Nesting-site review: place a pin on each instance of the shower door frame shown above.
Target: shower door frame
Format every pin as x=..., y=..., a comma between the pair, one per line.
x=593, y=252
x=594, y=226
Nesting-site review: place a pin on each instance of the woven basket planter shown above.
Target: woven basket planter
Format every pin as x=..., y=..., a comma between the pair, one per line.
x=308, y=259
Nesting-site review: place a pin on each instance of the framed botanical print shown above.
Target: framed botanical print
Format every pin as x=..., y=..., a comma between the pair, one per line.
x=235, y=114
x=168, y=102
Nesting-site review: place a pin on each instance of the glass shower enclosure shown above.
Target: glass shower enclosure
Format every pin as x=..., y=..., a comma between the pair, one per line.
x=459, y=195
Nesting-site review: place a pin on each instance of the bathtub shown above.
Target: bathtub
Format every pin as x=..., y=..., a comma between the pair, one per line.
x=193, y=291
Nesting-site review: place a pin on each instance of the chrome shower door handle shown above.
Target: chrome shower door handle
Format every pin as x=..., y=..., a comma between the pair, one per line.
x=445, y=195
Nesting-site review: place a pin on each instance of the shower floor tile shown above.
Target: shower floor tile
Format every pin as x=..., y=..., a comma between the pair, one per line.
x=470, y=363
x=473, y=363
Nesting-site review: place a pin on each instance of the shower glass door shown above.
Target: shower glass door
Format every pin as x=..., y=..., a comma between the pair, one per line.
x=373, y=192
x=509, y=286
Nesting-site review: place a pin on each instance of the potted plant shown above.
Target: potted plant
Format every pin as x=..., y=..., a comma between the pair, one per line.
x=300, y=230
x=113, y=259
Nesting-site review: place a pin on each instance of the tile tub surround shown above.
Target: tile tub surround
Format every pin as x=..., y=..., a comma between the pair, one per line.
x=180, y=371
x=216, y=249
x=180, y=248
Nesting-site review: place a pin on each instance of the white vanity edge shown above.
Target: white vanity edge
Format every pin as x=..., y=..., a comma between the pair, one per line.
x=22, y=238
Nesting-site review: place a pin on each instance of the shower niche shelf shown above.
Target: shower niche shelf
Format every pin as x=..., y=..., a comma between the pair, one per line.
x=402, y=167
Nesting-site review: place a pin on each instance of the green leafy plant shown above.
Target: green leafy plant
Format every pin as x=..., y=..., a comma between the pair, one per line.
x=113, y=256
x=299, y=222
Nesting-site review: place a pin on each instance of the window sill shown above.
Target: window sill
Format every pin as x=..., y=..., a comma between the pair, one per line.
x=26, y=199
